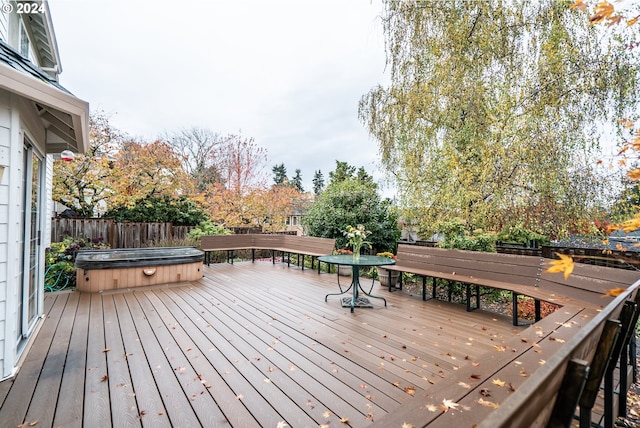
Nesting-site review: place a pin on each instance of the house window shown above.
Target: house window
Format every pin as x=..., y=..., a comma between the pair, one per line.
x=25, y=48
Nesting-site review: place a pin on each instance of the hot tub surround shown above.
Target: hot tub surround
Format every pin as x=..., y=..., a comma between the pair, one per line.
x=101, y=270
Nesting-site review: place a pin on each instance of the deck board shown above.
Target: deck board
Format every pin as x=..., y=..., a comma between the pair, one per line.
x=249, y=345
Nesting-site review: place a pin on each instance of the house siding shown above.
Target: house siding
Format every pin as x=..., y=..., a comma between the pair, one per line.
x=6, y=363
x=4, y=23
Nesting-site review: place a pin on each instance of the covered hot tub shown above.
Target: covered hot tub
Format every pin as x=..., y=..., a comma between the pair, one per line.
x=101, y=270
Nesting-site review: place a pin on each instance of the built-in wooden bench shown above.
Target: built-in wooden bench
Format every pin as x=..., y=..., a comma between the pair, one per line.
x=521, y=275
x=548, y=376
x=286, y=244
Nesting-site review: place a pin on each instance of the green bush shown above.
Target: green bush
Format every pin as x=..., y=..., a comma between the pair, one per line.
x=456, y=236
x=208, y=228
x=60, y=271
x=180, y=211
x=520, y=234
x=351, y=199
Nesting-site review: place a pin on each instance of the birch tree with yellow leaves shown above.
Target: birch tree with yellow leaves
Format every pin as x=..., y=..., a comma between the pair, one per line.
x=495, y=109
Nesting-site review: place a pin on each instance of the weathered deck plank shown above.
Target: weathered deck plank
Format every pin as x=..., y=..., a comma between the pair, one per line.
x=251, y=344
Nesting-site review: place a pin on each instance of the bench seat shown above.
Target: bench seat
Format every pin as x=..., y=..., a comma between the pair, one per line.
x=521, y=275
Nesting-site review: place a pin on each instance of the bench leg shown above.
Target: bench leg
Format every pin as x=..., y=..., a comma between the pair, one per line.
x=536, y=302
x=515, y=308
x=433, y=287
x=253, y=255
x=468, y=297
x=424, y=288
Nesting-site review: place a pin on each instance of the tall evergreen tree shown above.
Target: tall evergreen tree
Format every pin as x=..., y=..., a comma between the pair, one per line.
x=318, y=182
x=296, y=181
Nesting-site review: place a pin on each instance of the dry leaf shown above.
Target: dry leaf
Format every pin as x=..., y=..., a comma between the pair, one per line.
x=448, y=404
x=464, y=385
x=564, y=264
x=485, y=392
x=488, y=403
x=406, y=425
x=282, y=424
x=498, y=382
x=613, y=292
x=344, y=420
x=411, y=390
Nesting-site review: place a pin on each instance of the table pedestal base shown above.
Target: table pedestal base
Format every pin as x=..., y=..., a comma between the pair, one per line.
x=361, y=302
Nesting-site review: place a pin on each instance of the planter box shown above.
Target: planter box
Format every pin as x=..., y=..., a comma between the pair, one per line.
x=345, y=270
x=383, y=277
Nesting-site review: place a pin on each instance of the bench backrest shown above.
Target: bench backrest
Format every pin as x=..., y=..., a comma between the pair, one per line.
x=506, y=268
x=310, y=244
x=292, y=243
x=226, y=242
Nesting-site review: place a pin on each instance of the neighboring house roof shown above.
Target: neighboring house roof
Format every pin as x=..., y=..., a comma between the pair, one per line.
x=65, y=117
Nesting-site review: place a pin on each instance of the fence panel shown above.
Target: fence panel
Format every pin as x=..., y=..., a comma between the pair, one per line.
x=117, y=234
x=93, y=228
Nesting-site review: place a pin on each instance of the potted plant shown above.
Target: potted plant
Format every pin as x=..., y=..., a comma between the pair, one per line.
x=344, y=270
x=383, y=274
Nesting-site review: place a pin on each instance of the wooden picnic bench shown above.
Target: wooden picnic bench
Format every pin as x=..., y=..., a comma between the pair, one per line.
x=521, y=275
x=286, y=244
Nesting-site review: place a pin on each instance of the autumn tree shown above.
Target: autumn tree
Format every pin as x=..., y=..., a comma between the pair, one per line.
x=85, y=184
x=199, y=150
x=492, y=108
x=242, y=164
x=143, y=170
x=237, y=199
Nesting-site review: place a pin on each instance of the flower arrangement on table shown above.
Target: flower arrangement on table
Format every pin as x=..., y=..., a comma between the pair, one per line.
x=357, y=238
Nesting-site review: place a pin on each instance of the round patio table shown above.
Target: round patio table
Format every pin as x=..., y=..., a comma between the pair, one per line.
x=355, y=287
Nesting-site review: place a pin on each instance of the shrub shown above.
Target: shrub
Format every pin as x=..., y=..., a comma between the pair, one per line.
x=208, y=228
x=456, y=236
x=180, y=211
x=60, y=271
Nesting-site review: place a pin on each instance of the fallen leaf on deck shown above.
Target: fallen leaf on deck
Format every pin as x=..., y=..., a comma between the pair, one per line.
x=613, y=292
x=488, y=403
x=485, y=392
x=406, y=425
x=464, y=385
x=431, y=407
x=448, y=404
x=410, y=390
x=326, y=414
x=282, y=424
x=498, y=382
x=344, y=420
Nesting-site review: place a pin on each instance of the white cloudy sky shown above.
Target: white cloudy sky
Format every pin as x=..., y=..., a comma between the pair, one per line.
x=288, y=73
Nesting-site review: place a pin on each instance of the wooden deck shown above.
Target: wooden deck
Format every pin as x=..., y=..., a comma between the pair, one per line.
x=251, y=344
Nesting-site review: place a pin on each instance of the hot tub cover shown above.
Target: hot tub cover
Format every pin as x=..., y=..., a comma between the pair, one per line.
x=132, y=257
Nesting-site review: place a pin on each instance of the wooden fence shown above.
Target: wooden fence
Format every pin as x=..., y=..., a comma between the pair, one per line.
x=117, y=234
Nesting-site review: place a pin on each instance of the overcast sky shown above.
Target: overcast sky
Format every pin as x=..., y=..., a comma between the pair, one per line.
x=287, y=73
